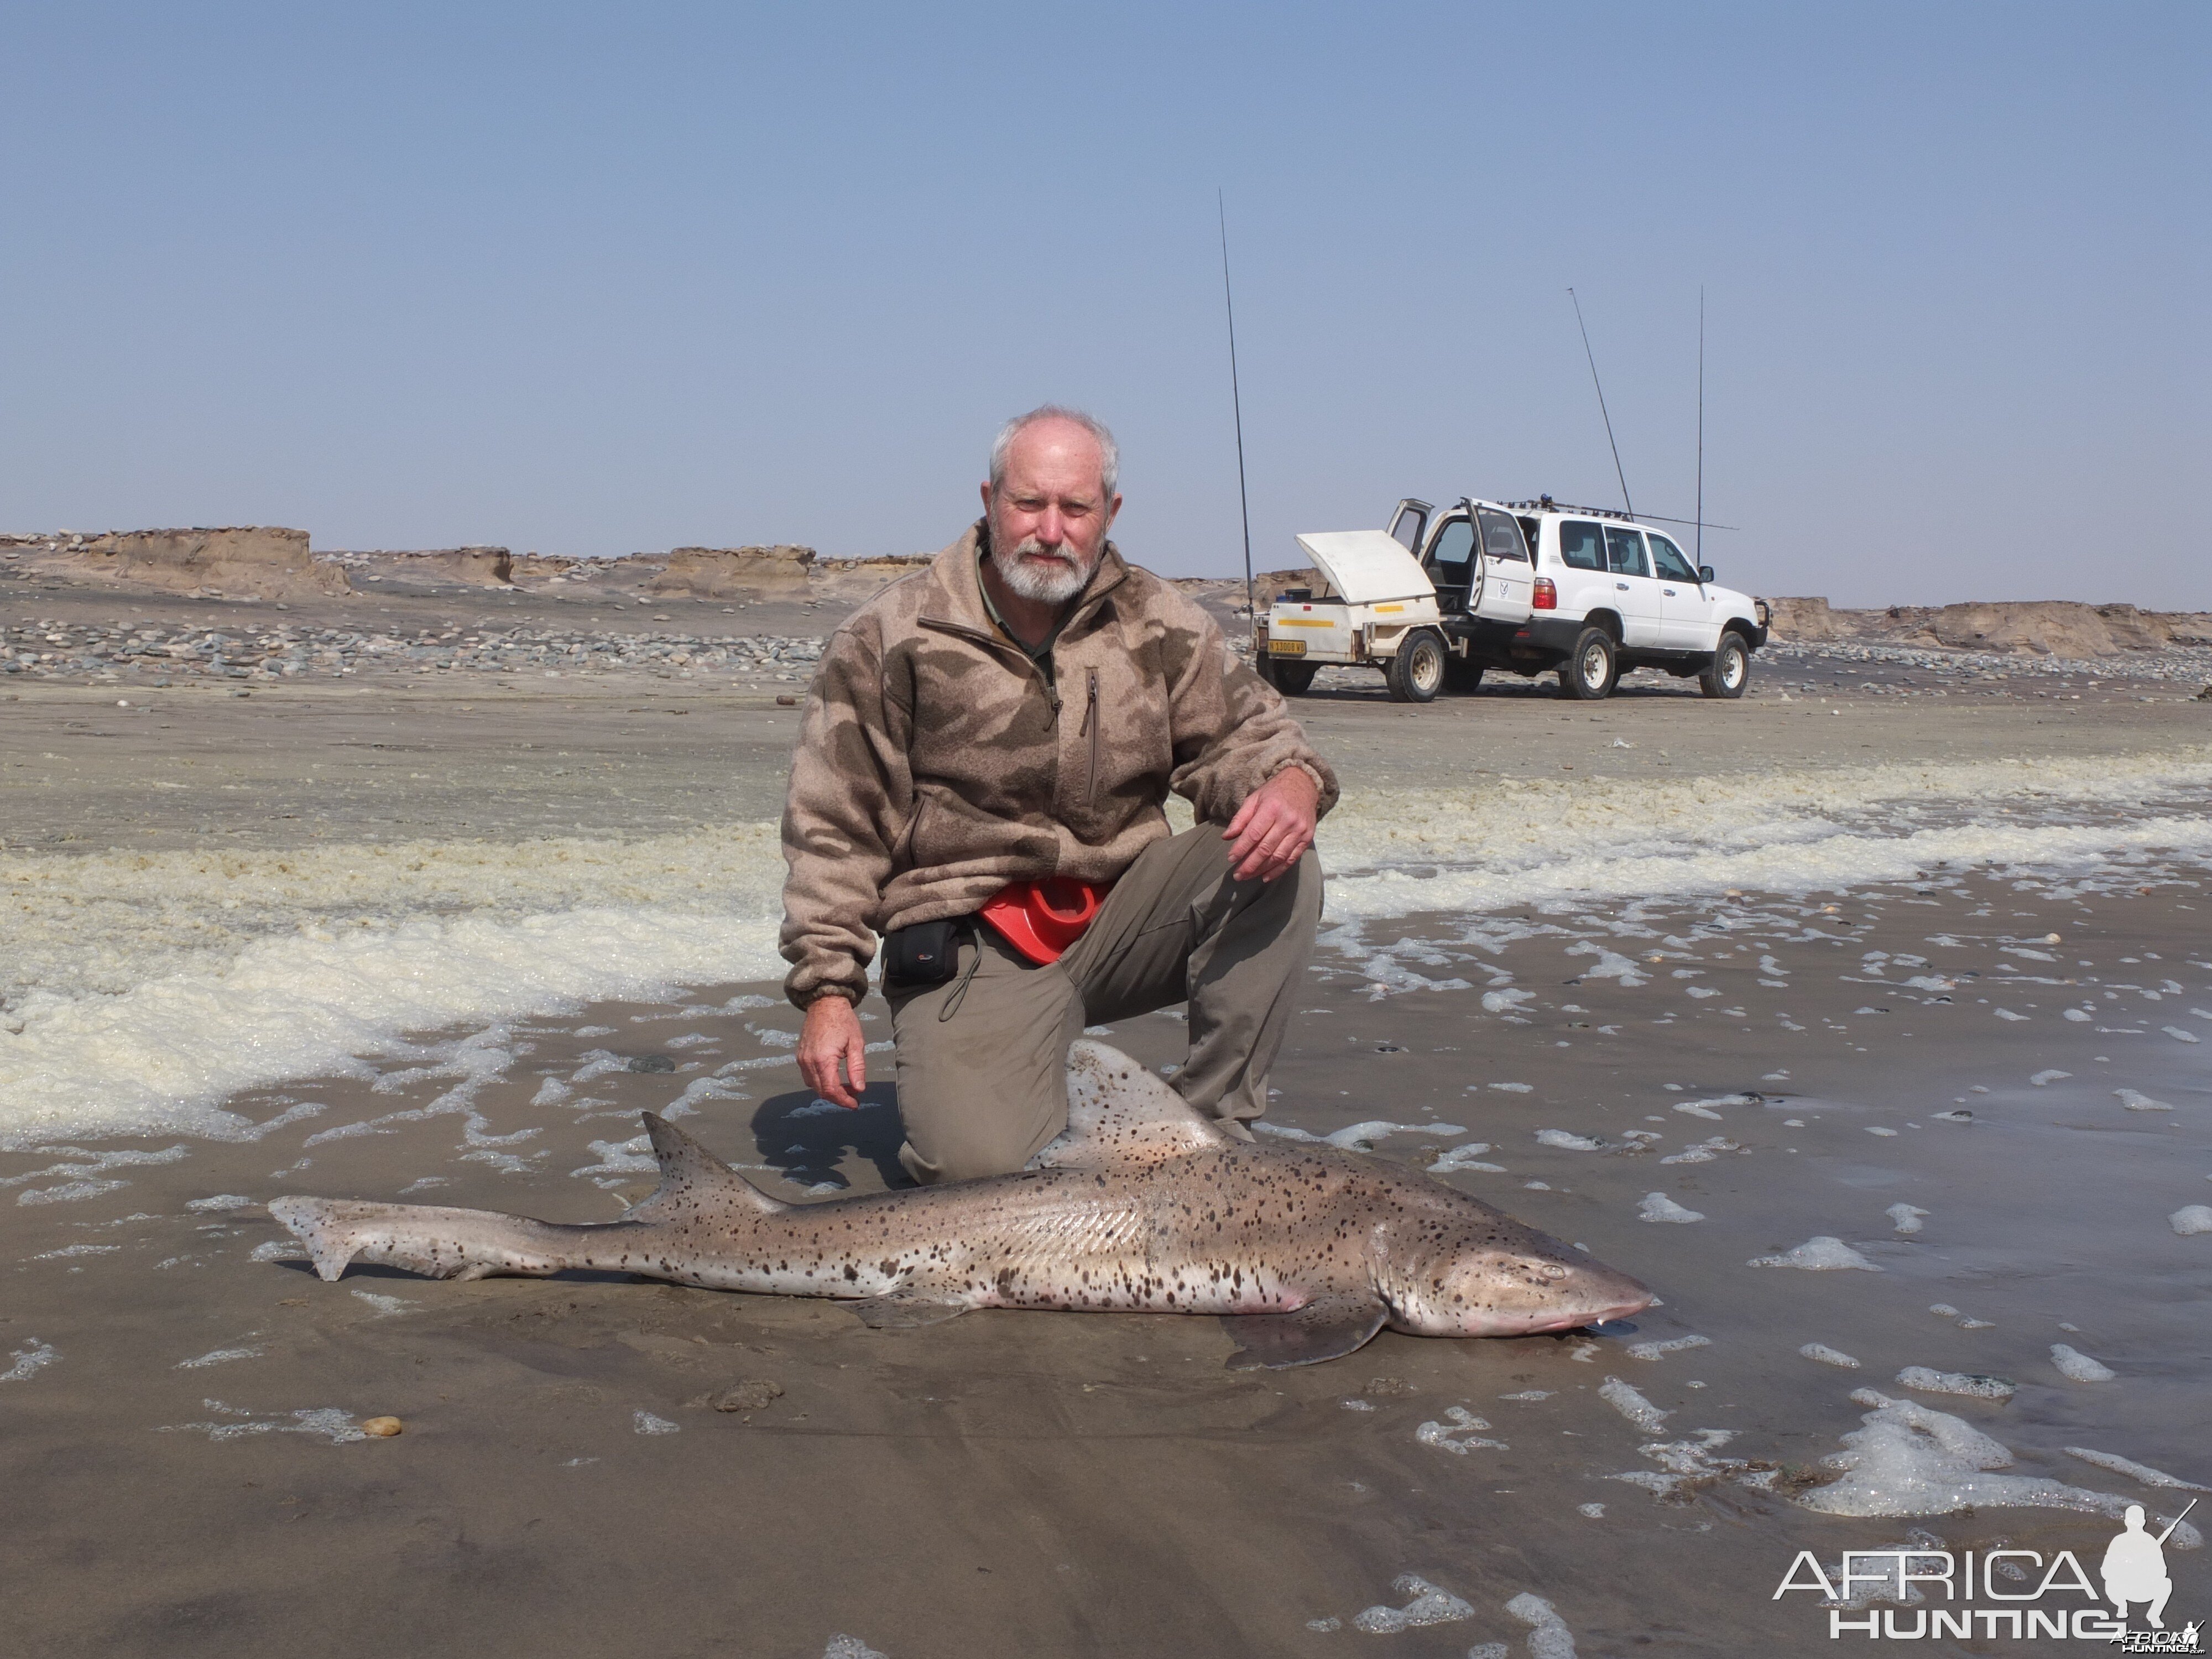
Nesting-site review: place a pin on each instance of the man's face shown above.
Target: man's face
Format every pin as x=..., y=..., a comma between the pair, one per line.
x=1048, y=521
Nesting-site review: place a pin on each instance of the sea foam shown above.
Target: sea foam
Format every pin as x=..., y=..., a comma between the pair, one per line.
x=1908, y=1460
x=143, y=989
x=139, y=992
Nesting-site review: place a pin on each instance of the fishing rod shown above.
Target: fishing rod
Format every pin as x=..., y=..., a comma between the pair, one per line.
x=1601, y=409
x=1236, y=403
x=1702, y=522
x=1701, y=560
x=2177, y=1521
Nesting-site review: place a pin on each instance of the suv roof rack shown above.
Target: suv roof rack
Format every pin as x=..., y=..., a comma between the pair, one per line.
x=1546, y=504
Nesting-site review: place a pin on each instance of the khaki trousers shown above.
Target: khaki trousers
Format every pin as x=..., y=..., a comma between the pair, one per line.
x=982, y=1070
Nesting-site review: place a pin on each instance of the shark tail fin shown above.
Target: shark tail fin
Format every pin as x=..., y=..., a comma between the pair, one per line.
x=690, y=1177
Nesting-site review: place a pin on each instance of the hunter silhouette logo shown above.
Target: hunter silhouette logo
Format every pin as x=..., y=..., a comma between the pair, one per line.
x=2023, y=1596
x=2135, y=1566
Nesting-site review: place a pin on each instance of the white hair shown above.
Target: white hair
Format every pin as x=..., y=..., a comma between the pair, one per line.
x=1109, y=452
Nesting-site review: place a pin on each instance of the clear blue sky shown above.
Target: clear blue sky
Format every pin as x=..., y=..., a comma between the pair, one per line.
x=592, y=279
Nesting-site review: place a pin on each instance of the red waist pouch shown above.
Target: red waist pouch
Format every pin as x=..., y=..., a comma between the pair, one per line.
x=1043, y=917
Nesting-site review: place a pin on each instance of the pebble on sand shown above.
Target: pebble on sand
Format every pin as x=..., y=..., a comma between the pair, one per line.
x=751, y=1396
x=2191, y=1218
x=383, y=1428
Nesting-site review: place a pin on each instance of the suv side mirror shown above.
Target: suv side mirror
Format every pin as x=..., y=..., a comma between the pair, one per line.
x=1704, y=573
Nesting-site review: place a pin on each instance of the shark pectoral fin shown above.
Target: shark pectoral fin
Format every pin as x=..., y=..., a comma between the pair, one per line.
x=906, y=1309
x=1327, y=1327
x=1121, y=1116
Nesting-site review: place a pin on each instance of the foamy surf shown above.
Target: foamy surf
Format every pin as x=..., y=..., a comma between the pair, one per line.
x=1511, y=843
x=143, y=991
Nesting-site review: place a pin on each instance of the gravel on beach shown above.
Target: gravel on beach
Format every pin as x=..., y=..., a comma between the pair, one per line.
x=49, y=648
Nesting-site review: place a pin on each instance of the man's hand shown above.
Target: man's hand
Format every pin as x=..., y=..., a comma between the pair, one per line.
x=831, y=1037
x=1268, y=835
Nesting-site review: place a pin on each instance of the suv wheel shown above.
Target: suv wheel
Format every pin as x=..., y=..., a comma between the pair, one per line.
x=1592, y=668
x=1291, y=678
x=1462, y=675
x=1416, y=674
x=1729, y=671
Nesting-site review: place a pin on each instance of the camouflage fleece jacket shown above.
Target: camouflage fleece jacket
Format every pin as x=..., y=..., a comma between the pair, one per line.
x=936, y=764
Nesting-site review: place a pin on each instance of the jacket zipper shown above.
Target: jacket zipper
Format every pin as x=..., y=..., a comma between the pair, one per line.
x=1091, y=723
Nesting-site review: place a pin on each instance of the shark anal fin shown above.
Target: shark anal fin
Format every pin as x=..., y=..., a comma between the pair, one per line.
x=1120, y=1116
x=1327, y=1327
x=907, y=1309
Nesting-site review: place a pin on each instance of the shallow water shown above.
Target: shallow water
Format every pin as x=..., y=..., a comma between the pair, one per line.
x=1788, y=1067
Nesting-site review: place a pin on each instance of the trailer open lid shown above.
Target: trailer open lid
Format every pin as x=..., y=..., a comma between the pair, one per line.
x=1366, y=567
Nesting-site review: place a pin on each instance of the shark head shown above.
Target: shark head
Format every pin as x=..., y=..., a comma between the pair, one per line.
x=1497, y=1278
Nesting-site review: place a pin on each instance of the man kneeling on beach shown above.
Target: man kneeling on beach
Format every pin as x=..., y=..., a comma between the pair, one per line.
x=985, y=753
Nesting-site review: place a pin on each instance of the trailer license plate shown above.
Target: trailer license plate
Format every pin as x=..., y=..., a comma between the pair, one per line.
x=1286, y=648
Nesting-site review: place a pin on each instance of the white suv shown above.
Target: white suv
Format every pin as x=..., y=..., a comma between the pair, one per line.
x=1529, y=586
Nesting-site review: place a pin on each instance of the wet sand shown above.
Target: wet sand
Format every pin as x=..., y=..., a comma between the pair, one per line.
x=181, y=1462
x=1036, y=1483
x=85, y=767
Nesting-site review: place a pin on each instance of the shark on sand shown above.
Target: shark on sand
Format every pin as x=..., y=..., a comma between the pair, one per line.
x=1141, y=1207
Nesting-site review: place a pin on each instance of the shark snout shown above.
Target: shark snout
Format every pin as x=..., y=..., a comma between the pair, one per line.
x=1525, y=1295
x=1573, y=1317
x=1592, y=1295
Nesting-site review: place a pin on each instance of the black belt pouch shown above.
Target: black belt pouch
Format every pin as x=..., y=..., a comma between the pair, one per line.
x=925, y=954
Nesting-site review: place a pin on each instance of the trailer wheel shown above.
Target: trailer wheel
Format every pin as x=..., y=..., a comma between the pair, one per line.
x=1292, y=679
x=1729, y=671
x=1416, y=674
x=1592, y=668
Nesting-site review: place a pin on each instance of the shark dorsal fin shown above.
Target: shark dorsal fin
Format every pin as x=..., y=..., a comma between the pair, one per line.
x=692, y=1179
x=1120, y=1113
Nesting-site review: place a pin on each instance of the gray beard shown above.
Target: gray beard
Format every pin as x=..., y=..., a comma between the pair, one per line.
x=1043, y=585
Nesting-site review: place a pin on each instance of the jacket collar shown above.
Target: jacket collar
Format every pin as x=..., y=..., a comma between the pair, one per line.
x=955, y=600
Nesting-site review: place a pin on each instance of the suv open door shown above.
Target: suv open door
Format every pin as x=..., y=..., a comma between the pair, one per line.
x=1480, y=563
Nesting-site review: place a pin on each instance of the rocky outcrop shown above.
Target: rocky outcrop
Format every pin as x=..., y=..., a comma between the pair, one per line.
x=730, y=573
x=1804, y=619
x=1271, y=585
x=447, y=567
x=2041, y=627
x=854, y=580
x=2050, y=627
x=251, y=562
x=540, y=568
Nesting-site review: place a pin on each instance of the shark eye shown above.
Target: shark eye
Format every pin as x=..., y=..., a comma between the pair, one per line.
x=1551, y=1270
